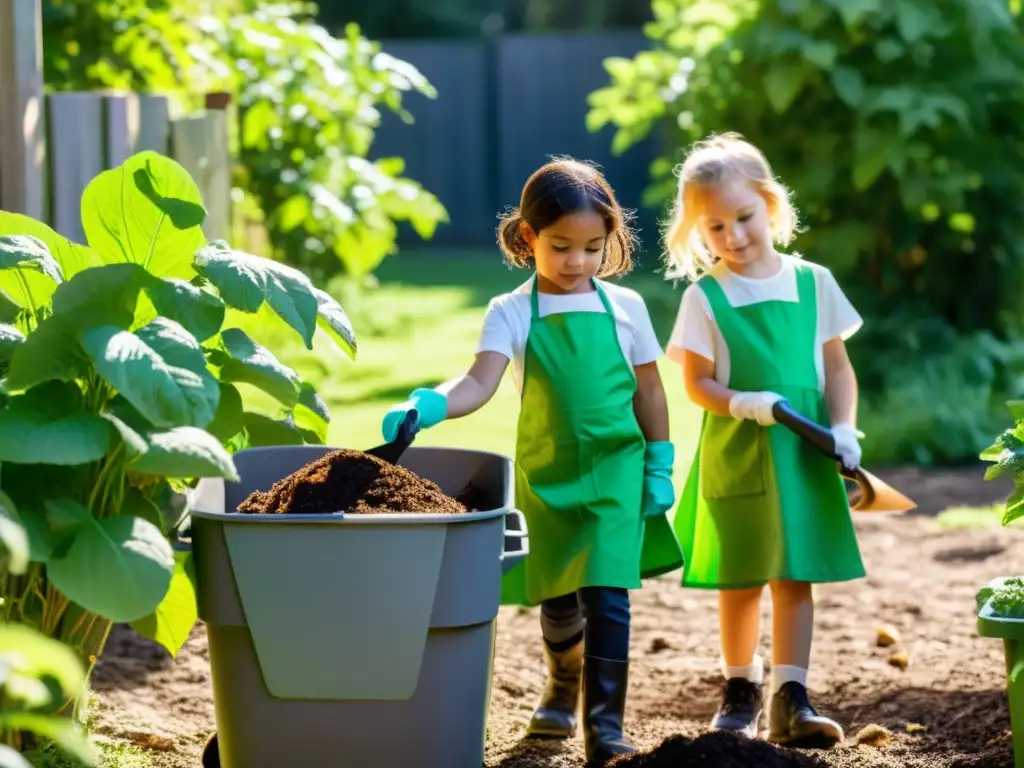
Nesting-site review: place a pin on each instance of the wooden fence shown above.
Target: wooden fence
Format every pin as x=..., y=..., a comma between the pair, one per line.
x=52, y=145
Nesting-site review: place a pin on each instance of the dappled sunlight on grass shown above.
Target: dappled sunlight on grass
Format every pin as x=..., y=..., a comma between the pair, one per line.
x=990, y=516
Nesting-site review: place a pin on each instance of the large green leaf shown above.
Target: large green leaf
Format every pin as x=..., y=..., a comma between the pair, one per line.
x=246, y=361
x=185, y=452
x=50, y=352
x=227, y=422
x=71, y=257
x=28, y=272
x=200, y=312
x=112, y=285
x=311, y=414
x=39, y=429
x=262, y=431
x=117, y=567
x=14, y=544
x=147, y=211
x=181, y=452
x=160, y=369
x=245, y=281
x=332, y=318
x=32, y=654
x=172, y=621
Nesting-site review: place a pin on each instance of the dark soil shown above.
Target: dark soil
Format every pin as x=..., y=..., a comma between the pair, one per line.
x=721, y=750
x=353, y=482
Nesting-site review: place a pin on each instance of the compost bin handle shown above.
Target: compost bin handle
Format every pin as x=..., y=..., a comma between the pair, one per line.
x=519, y=533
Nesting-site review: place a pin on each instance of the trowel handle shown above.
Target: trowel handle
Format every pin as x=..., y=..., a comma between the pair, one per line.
x=408, y=428
x=810, y=431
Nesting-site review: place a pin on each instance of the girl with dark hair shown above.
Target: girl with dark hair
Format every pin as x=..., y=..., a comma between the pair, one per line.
x=593, y=457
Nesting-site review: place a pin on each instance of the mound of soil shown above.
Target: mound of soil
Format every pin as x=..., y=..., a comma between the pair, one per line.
x=722, y=750
x=353, y=482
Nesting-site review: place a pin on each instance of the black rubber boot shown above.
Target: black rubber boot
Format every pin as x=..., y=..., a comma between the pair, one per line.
x=795, y=723
x=211, y=755
x=604, y=702
x=741, y=708
x=555, y=717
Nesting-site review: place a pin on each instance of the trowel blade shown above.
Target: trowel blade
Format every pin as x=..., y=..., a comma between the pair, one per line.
x=874, y=495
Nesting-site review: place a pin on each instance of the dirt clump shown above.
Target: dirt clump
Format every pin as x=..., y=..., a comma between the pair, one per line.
x=353, y=482
x=721, y=750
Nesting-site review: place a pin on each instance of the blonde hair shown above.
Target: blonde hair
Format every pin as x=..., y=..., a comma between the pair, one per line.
x=561, y=187
x=717, y=159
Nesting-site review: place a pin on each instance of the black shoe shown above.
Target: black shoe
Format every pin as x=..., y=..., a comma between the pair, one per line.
x=604, y=702
x=555, y=718
x=795, y=723
x=211, y=755
x=741, y=708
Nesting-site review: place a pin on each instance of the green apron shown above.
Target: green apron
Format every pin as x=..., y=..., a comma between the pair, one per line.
x=760, y=503
x=580, y=463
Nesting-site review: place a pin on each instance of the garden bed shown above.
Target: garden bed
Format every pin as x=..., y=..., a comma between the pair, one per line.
x=946, y=709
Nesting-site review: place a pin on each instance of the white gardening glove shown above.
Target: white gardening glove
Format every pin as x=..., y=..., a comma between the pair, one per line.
x=754, y=405
x=847, y=445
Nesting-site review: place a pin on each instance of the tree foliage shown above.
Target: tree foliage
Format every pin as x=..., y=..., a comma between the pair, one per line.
x=897, y=124
x=309, y=105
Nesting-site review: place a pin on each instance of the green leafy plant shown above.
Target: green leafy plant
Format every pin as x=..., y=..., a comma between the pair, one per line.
x=123, y=383
x=907, y=171
x=36, y=674
x=1005, y=598
x=309, y=104
x=1007, y=457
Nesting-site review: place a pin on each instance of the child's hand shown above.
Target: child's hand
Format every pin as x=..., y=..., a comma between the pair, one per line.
x=847, y=445
x=754, y=405
x=659, y=494
x=432, y=407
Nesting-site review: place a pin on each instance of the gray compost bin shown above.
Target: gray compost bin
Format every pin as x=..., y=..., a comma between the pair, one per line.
x=353, y=640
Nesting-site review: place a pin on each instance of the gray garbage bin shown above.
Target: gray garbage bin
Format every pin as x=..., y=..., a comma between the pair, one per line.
x=353, y=640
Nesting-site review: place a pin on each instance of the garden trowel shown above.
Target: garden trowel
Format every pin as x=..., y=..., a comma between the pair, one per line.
x=392, y=452
x=871, y=494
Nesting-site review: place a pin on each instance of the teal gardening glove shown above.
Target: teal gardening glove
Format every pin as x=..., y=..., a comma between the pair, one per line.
x=432, y=407
x=659, y=494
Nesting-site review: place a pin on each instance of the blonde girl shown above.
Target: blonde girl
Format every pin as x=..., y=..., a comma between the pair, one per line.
x=759, y=507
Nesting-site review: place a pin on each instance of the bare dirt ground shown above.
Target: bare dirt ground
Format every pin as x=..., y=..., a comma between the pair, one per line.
x=938, y=692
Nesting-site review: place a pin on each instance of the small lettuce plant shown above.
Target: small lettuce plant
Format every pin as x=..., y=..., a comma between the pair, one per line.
x=120, y=389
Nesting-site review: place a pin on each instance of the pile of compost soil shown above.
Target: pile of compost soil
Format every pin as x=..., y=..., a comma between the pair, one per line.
x=353, y=482
x=721, y=750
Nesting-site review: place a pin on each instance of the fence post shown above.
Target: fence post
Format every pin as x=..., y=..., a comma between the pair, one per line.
x=22, y=113
x=200, y=144
x=154, y=124
x=122, y=127
x=76, y=156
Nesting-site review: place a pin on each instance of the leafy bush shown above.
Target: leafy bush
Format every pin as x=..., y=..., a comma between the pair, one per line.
x=36, y=674
x=1005, y=598
x=309, y=105
x=1007, y=457
x=123, y=383
x=897, y=125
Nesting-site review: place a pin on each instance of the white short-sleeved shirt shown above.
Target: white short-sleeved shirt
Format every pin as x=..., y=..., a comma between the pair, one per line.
x=507, y=322
x=696, y=330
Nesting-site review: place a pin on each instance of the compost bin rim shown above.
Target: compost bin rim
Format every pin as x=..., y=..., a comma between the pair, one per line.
x=338, y=518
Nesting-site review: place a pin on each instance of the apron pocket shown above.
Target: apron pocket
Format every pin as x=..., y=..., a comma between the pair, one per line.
x=730, y=458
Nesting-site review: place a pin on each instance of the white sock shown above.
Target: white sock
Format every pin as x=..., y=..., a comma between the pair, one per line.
x=783, y=673
x=754, y=671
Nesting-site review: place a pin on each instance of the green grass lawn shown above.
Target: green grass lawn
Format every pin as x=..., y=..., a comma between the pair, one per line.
x=419, y=328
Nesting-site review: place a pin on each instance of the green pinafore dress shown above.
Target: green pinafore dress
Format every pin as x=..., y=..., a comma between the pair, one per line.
x=580, y=463
x=760, y=503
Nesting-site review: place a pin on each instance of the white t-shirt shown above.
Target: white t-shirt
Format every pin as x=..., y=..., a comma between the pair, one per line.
x=696, y=330
x=507, y=322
